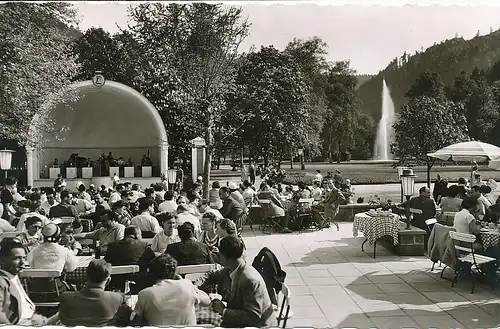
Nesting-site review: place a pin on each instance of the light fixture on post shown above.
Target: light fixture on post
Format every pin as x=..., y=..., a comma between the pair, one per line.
x=301, y=155
x=408, y=186
x=172, y=176
x=400, y=172
x=6, y=160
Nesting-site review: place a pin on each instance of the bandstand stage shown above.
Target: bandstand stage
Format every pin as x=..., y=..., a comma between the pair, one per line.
x=109, y=118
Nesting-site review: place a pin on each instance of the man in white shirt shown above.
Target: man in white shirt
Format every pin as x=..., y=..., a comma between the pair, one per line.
x=172, y=300
x=17, y=306
x=116, y=195
x=183, y=216
x=318, y=176
x=145, y=221
x=169, y=205
x=51, y=201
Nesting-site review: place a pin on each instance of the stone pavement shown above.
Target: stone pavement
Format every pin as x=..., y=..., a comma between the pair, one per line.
x=334, y=284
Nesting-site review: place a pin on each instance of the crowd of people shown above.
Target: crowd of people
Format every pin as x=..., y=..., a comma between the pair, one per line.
x=185, y=230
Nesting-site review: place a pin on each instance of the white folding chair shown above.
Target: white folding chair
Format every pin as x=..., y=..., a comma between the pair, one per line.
x=13, y=234
x=28, y=274
x=287, y=298
x=464, y=252
x=194, y=272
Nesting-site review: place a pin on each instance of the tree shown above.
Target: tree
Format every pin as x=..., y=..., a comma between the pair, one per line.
x=36, y=67
x=342, y=104
x=97, y=50
x=272, y=92
x=426, y=125
x=195, y=48
x=427, y=84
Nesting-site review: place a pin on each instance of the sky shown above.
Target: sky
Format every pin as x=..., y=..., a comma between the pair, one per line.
x=368, y=36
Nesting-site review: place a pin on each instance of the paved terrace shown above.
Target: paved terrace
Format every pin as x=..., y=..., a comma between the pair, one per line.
x=334, y=284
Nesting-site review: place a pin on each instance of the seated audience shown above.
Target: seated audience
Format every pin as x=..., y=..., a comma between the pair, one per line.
x=68, y=240
x=464, y=221
x=33, y=211
x=183, y=215
x=231, y=207
x=17, y=308
x=110, y=231
x=189, y=251
x=451, y=200
x=82, y=193
x=145, y=221
x=167, y=235
x=226, y=227
x=276, y=207
x=123, y=216
x=209, y=235
x=34, y=235
x=424, y=203
x=214, y=199
x=171, y=301
x=205, y=208
x=248, y=193
x=93, y=306
x=66, y=209
x=303, y=192
x=129, y=251
x=249, y=304
x=169, y=205
x=317, y=192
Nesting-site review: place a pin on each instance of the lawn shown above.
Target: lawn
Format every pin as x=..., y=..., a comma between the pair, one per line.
x=371, y=173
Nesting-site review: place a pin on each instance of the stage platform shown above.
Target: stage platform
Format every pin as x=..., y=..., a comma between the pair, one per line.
x=72, y=184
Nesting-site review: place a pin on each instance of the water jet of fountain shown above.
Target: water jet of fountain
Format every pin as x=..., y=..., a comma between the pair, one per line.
x=385, y=130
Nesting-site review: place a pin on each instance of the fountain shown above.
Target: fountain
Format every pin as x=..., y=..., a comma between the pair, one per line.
x=384, y=130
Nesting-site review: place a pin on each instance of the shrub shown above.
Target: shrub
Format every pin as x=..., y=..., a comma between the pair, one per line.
x=294, y=178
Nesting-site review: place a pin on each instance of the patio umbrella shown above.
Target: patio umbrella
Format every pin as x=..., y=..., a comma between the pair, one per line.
x=467, y=151
x=494, y=164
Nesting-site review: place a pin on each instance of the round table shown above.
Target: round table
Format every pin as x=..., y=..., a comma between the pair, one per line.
x=376, y=227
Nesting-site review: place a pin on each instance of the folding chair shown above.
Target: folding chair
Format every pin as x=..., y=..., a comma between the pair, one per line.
x=270, y=221
x=28, y=275
x=287, y=298
x=465, y=256
x=303, y=210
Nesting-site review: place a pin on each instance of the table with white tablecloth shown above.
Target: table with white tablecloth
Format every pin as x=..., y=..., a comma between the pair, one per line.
x=376, y=227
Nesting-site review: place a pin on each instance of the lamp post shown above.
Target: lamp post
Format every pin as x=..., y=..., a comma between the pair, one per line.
x=400, y=172
x=172, y=176
x=408, y=186
x=6, y=160
x=301, y=154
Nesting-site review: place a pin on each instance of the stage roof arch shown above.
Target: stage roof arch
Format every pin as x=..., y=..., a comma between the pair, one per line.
x=108, y=116
x=113, y=117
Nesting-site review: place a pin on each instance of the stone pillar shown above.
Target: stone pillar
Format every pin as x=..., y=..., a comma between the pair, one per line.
x=164, y=158
x=198, y=157
x=30, y=165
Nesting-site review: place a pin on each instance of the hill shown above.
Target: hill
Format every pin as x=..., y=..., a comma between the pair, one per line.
x=447, y=58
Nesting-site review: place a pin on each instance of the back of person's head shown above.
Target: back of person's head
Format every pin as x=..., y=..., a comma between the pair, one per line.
x=120, y=187
x=225, y=189
x=185, y=231
x=469, y=203
x=163, y=217
x=35, y=197
x=135, y=187
x=247, y=184
x=262, y=186
x=216, y=184
x=228, y=225
x=169, y=195
x=81, y=188
x=476, y=188
x=182, y=208
x=10, y=181
x=423, y=189
x=144, y=204
x=462, y=181
x=191, y=196
x=158, y=187
x=132, y=232
x=163, y=267
x=51, y=233
x=49, y=191
x=148, y=192
x=485, y=189
x=98, y=271
x=451, y=191
x=301, y=185
x=231, y=247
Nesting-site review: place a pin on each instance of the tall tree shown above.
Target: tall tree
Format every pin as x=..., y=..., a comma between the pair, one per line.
x=274, y=95
x=195, y=47
x=36, y=68
x=426, y=125
x=342, y=104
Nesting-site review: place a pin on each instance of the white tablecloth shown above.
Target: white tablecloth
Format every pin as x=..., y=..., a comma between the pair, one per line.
x=373, y=228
